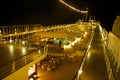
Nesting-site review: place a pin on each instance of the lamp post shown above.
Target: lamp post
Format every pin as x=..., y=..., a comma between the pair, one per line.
x=86, y=15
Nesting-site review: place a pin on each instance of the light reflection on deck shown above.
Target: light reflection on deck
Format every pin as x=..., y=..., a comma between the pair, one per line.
x=10, y=52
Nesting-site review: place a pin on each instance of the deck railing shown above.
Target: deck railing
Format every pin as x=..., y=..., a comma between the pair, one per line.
x=16, y=64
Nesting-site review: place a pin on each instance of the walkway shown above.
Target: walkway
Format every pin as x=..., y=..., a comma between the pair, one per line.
x=95, y=67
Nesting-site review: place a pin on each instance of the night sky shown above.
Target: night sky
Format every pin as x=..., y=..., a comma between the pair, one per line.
x=52, y=12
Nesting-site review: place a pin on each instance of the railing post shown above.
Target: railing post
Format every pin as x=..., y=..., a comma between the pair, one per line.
x=13, y=66
x=25, y=60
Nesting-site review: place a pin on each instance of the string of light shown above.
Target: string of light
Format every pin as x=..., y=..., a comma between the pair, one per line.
x=72, y=7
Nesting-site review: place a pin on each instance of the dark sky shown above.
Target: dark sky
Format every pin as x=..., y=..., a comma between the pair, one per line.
x=105, y=11
x=51, y=12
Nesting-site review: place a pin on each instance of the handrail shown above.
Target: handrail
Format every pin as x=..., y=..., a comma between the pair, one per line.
x=32, y=31
x=16, y=64
x=111, y=75
x=76, y=77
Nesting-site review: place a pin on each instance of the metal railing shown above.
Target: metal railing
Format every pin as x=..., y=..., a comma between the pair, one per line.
x=76, y=77
x=111, y=64
x=16, y=64
x=113, y=73
x=111, y=76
